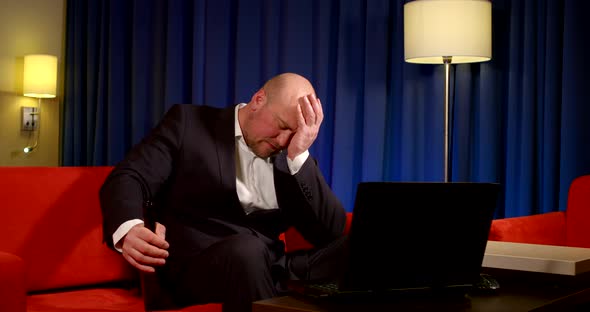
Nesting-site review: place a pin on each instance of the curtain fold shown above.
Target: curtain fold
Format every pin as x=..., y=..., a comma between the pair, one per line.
x=519, y=119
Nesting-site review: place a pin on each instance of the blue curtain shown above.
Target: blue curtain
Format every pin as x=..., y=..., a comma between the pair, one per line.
x=521, y=119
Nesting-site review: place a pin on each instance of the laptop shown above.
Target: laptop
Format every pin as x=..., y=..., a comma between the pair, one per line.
x=414, y=238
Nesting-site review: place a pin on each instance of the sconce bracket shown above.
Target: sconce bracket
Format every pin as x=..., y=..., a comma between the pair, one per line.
x=30, y=118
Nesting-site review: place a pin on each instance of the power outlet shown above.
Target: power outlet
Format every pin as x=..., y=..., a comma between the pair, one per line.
x=30, y=118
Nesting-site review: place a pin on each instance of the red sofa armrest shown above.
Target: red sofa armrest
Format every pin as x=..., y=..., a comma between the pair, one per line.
x=545, y=229
x=13, y=292
x=294, y=241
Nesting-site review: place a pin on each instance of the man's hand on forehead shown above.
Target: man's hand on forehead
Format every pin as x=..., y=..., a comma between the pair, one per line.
x=309, y=119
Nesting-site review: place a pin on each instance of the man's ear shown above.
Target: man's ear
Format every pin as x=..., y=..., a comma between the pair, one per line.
x=259, y=99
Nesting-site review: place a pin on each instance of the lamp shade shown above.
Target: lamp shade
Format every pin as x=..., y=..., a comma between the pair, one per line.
x=40, y=76
x=460, y=29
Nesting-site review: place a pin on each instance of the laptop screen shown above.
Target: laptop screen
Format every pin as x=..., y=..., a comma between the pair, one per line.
x=419, y=234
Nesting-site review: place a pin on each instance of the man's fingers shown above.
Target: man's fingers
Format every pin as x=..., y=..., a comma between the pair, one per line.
x=148, y=249
x=310, y=117
x=151, y=257
x=144, y=256
x=161, y=230
x=307, y=109
x=156, y=240
x=319, y=112
x=314, y=114
x=300, y=116
x=138, y=266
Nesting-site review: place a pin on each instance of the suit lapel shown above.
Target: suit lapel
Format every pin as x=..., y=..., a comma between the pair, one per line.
x=225, y=138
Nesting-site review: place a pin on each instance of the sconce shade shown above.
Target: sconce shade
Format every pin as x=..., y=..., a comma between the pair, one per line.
x=461, y=29
x=40, y=76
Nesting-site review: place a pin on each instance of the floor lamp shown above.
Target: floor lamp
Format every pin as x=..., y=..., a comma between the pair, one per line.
x=447, y=32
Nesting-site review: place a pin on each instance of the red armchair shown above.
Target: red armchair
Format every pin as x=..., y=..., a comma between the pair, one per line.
x=562, y=228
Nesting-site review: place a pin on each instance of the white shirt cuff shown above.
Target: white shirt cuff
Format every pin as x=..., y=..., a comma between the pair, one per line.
x=122, y=231
x=297, y=163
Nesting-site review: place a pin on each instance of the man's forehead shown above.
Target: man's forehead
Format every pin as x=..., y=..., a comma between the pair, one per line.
x=287, y=116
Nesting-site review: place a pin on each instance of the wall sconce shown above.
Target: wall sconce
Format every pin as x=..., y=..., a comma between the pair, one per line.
x=39, y=81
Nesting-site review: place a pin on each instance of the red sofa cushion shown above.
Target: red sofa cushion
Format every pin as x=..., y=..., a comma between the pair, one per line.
x=52, y=220
x=100, y=300
x=295, y=241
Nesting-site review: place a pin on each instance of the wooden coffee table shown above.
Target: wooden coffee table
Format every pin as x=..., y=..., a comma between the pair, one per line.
x=532, y=278
x=520, y=291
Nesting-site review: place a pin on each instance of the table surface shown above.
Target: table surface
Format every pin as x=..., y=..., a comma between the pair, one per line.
x=519, y=291
x=537, y=258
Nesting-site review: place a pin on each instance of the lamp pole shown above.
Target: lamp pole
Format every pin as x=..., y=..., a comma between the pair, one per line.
x=447, y=61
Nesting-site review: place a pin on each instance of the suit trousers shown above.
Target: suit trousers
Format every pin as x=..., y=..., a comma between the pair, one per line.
x=243, y=268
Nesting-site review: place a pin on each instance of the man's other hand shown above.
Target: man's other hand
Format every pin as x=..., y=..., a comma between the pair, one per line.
x=309, y=119
x=145, y=249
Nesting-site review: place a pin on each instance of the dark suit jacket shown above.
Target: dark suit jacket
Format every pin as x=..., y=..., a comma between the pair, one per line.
x=187, y=165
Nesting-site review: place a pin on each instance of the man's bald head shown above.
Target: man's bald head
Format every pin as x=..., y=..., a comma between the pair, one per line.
x=285, y=87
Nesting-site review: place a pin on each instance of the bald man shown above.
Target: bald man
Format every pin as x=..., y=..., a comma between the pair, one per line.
x=227, y=182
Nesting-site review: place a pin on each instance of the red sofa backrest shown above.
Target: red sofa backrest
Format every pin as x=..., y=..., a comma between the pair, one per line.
x=51, y=219
x=578, y=213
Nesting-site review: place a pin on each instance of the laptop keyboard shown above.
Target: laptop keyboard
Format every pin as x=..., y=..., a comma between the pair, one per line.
x=328, y=288
x=331, y=290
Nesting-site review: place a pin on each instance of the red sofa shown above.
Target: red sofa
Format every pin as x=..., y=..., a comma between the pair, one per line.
x=562, y=228
x=51, y=253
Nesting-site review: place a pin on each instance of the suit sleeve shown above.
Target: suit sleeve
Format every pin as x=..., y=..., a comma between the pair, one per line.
x=308, y=201
x=141, y=174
